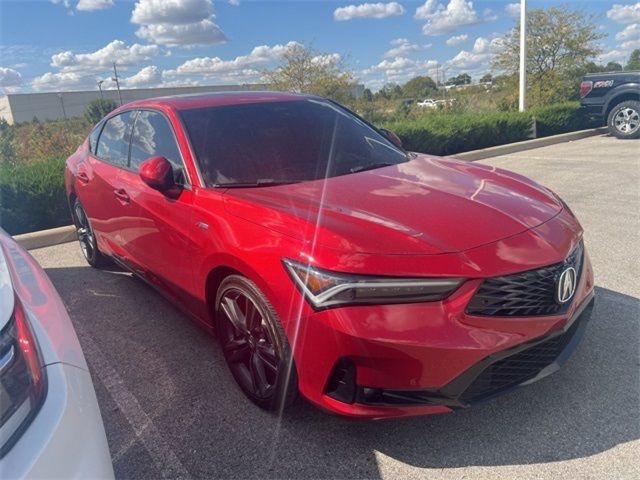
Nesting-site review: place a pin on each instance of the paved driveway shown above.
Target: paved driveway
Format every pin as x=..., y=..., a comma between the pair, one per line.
x=172, y=409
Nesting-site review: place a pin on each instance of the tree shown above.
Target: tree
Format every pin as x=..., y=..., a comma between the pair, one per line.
x=634, y=60
x=486, y=78
x=7, y=138
x=559, y=40
x=305, y=70
x=98, y=108
x=462, y=79
x=419, y=87
x=389, y=91
x=613, y=67
x=367, y=95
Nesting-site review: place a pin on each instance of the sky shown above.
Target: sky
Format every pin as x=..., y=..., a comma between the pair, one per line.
x=63, y=45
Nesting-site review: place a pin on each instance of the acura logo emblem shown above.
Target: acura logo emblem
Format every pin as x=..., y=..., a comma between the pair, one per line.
x=566, y=285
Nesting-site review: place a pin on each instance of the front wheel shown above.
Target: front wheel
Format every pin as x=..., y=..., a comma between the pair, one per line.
x=624, y=120
x=87, y=238
x=254, y=344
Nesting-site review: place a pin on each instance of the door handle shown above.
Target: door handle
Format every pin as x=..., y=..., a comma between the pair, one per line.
x=82, y=177
x=121, y=195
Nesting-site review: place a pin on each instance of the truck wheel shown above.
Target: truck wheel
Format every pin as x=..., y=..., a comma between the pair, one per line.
x=624, y=120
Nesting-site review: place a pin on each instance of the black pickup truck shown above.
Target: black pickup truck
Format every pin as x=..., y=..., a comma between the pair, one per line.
x=614, y=97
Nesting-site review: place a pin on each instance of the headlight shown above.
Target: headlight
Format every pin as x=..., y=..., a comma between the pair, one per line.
x=22, y=379
x=326, y=289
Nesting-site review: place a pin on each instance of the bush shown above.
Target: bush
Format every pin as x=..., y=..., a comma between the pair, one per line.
x=448, y=134
x=98, y=108
x=561, y=118
x=32, y=196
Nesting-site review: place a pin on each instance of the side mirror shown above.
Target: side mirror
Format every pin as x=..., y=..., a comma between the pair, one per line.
x=395, y=139
x=157, y=172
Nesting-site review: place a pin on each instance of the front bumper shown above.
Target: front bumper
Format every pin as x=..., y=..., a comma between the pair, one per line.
x=66, y=439
x=418, y=359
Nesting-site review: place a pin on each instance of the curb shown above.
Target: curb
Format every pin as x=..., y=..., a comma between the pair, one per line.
x=46, y=238
x=528, y=144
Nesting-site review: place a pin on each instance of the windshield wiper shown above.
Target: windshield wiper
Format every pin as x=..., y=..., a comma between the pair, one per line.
x=261, y=182
x=371, y=166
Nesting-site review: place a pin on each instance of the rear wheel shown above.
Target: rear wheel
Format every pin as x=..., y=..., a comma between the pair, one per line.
x=87, y=238
x=254, y=344
x=624, y=120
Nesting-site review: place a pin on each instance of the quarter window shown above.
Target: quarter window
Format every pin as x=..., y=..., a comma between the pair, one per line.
x=153, y=137
x=113, y=145
x=93, y=137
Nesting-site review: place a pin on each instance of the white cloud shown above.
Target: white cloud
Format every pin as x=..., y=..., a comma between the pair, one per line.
x=457, y=13
x=513, y=9
x=204, y=32
x=91, y=5
x=397, y=70
x=103, y=58
x=631, y=32
x=625, y=13
x=148, y=76
x=10, y=77
x=235, y=3
x=65, y=3
x=368, y=10
x=478, y=58
x=153, y=12
x=211, y=66
x=63, y=81
x=177, y=22
x=401, y=47
x=457, y=40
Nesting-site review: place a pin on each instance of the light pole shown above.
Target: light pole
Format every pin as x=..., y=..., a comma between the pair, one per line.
x=115, y=79
x=100, y=82
x=523, y=55
x=64, y=113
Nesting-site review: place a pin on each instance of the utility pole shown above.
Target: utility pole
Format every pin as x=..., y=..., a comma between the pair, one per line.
x=64, y=113
x=523, y=55
x=115, y=79
x=100, y=82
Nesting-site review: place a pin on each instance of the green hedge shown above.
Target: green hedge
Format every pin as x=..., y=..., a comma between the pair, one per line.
x=446, y=134
x=561, y=118
x=451, y=133
x=32, y=196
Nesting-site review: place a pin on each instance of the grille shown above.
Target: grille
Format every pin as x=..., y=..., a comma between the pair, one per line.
x=529, y=293
x=517, y=368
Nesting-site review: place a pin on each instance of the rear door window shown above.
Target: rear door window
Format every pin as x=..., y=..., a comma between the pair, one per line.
x=113, y=145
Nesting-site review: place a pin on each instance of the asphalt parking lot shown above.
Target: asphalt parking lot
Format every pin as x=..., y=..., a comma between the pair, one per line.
x=171, y=408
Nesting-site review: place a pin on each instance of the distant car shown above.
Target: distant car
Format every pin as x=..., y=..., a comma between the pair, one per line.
x=330, y=261
x=427, y=103
x=614, y=97
x=50, y=423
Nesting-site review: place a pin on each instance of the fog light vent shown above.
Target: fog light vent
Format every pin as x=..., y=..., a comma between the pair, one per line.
x=342, y=382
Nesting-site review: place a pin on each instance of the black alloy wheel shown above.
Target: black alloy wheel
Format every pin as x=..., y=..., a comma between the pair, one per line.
x=87, y=238
x=254, y=344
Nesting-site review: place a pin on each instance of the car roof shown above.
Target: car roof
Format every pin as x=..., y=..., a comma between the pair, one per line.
x=215, y=99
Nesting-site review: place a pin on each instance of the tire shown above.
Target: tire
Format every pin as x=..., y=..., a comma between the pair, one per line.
x=255, y=345
x=624, y=120
x=87, y=238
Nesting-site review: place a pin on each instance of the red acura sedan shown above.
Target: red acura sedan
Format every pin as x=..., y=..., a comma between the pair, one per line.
x=329, y=261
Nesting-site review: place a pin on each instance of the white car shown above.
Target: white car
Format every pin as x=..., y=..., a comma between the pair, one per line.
x=428, y=103
x=50, y=423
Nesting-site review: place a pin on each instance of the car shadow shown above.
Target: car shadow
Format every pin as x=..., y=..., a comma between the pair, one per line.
x=179, y=379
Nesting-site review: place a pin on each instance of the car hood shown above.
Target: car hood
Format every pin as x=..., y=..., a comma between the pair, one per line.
x=428, y=205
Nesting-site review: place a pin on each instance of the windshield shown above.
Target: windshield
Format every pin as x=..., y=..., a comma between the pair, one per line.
x=280, y=142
